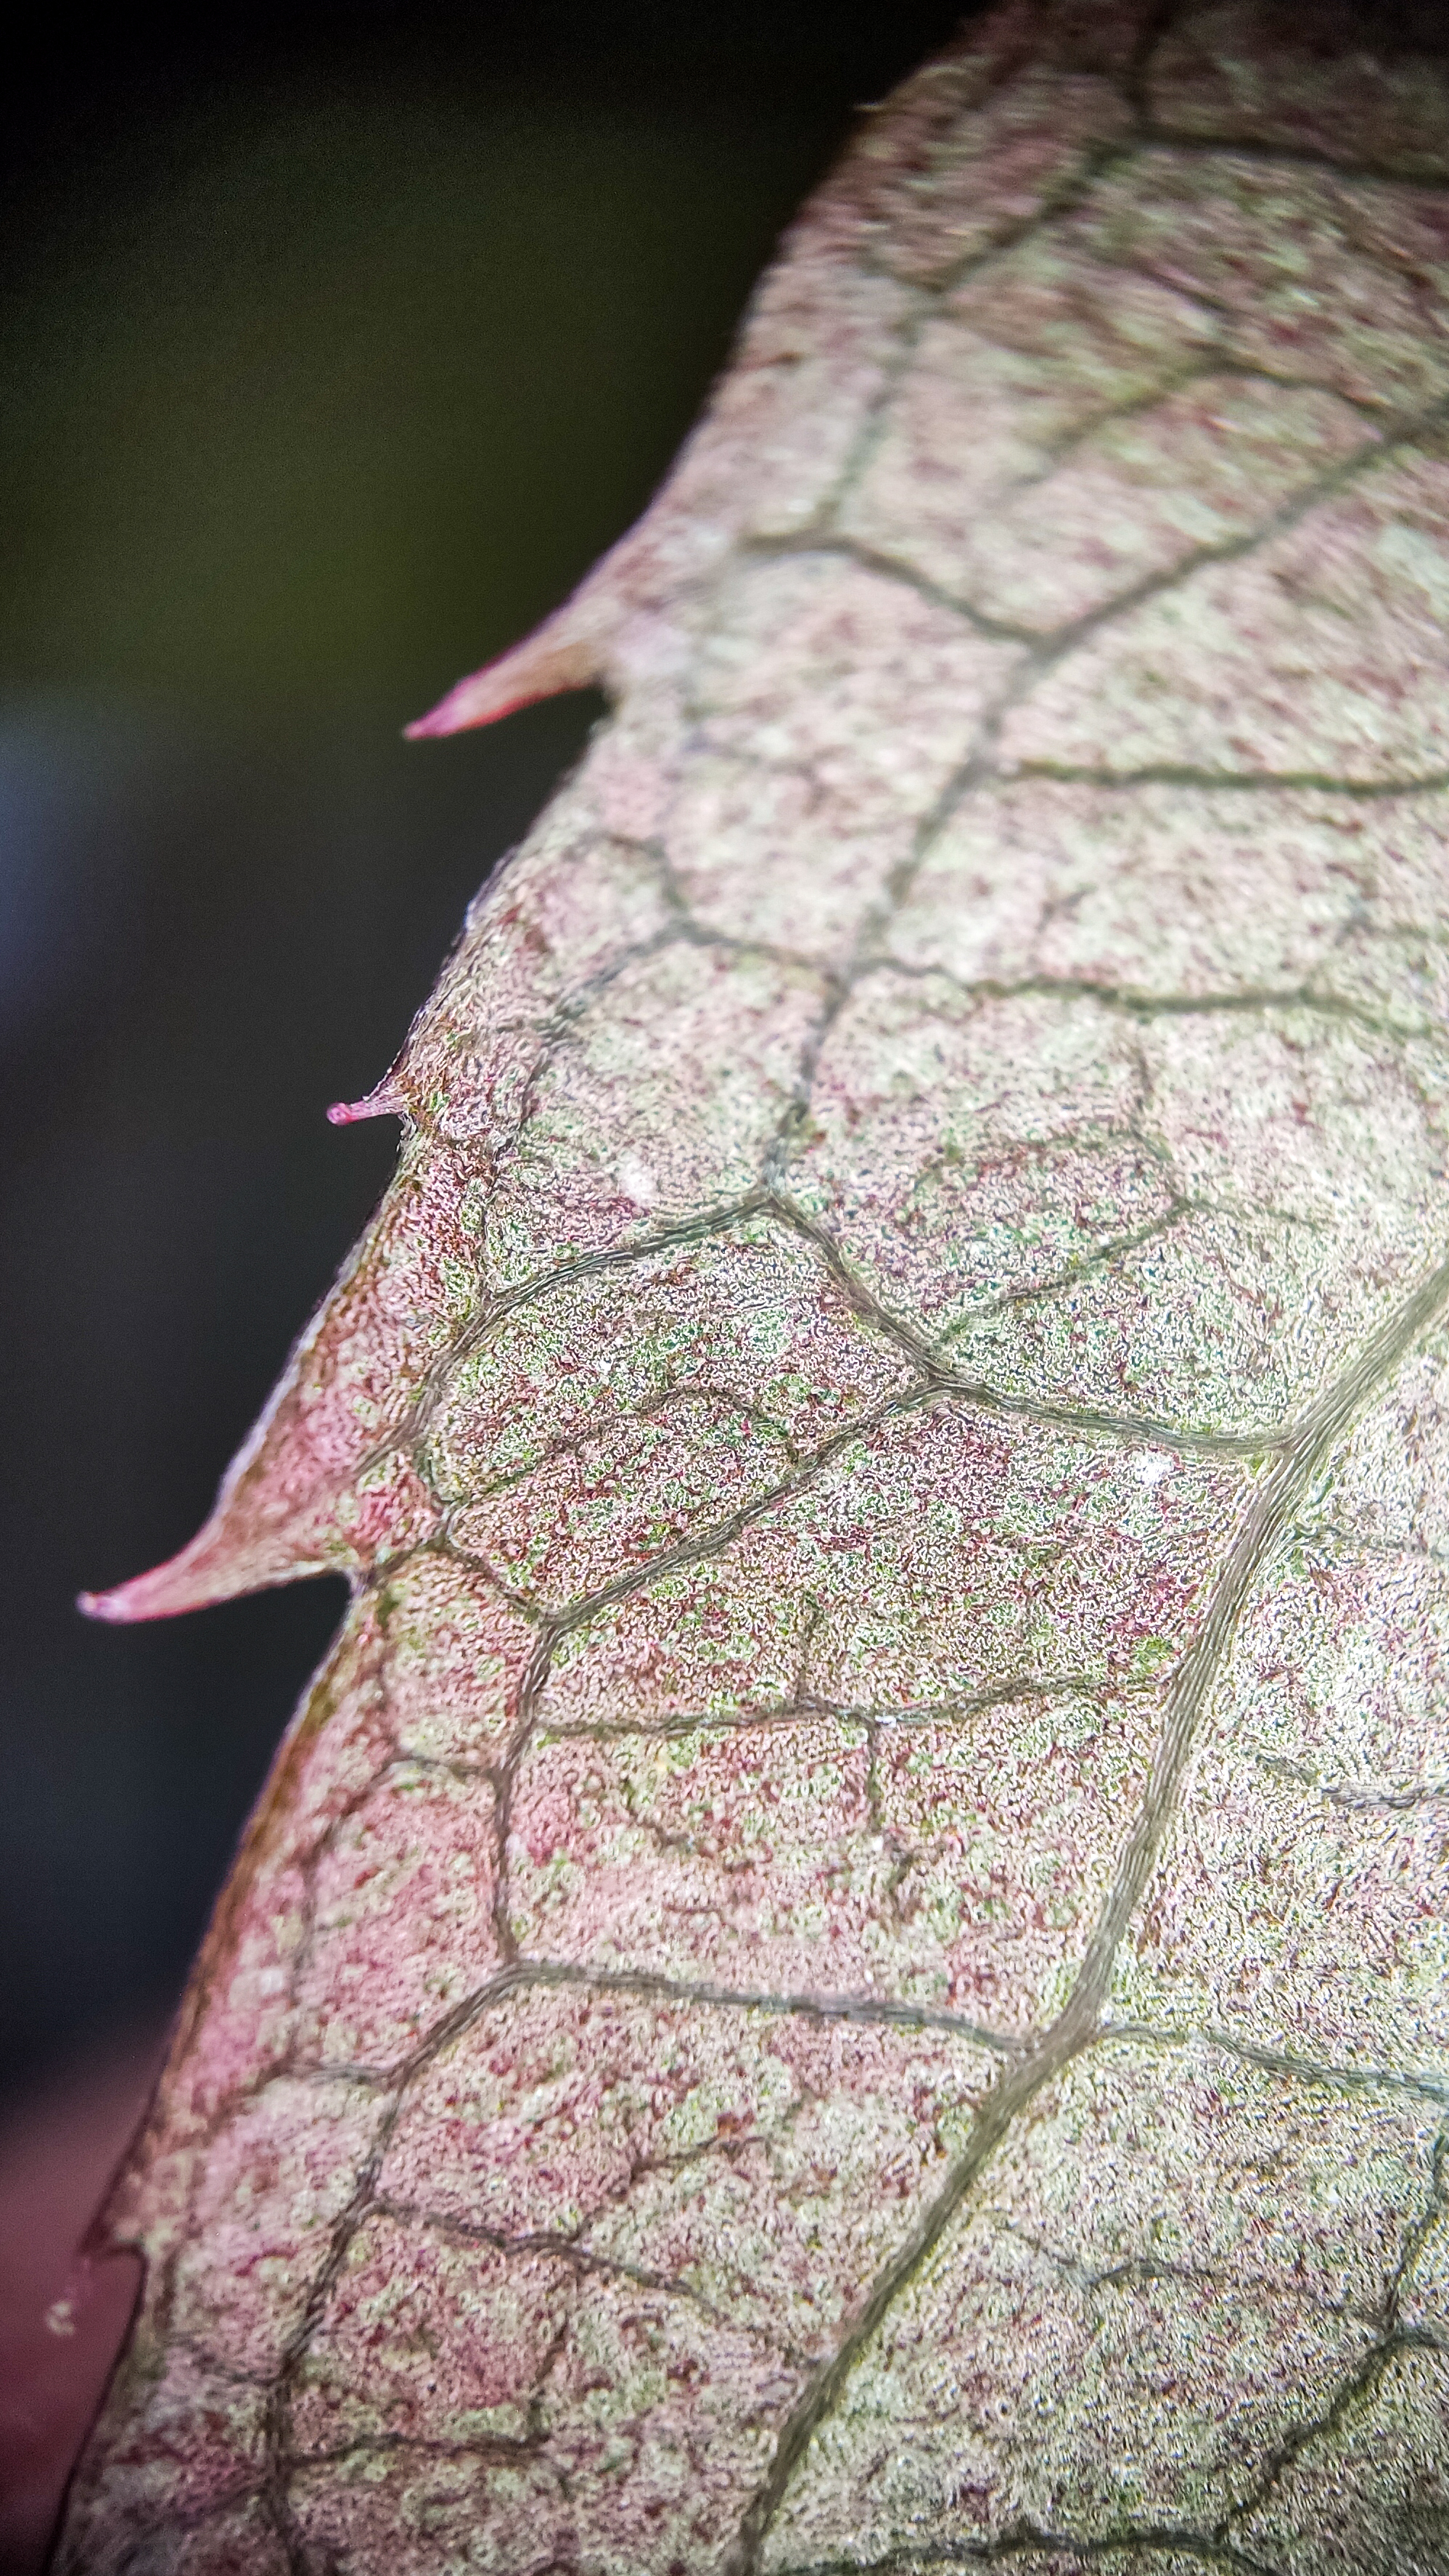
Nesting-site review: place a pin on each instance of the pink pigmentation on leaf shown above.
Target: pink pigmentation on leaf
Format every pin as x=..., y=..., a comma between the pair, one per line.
x=213, y=1568
x=386, y=1101
x=844, y=1965
x=545, y=665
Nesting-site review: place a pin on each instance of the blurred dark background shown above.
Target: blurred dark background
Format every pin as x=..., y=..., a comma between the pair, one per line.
x=336, y=344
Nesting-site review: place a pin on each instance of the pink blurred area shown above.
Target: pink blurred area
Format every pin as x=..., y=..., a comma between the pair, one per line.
x=57, y=2152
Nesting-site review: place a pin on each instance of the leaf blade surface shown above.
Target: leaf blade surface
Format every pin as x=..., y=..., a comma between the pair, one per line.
x=845, y=1966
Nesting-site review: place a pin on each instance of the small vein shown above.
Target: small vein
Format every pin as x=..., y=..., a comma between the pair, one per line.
x=1138, y=1002
x=1353, y=1798
x=1425, y=176
x=1277, y=2061
x=1032, y=2539
x=1167, y=773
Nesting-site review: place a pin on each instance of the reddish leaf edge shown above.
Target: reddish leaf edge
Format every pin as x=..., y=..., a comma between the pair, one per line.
x=223, y=1560
x=569, y=650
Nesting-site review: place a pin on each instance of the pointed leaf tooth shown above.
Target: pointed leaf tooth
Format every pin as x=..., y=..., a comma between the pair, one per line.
x=318, y=1486
x=544, y=665
x=240, y=1548
x=208, y=1570
x=385, y=1100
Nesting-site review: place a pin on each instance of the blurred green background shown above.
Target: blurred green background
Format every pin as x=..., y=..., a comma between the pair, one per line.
x=336, y=345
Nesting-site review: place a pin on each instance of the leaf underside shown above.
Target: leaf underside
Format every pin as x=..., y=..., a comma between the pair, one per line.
x=846, y=1965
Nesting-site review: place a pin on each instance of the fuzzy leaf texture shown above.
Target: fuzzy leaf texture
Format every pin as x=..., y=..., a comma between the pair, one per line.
x=845, y=1969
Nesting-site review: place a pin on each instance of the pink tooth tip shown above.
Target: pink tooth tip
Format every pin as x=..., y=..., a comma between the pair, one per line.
x=461, y=711
x=427, y=728
x=146, y=1596
x=470, y=705
x=206, y=1570
x=101, y=1605
x=544, y=665
x=385, y=1102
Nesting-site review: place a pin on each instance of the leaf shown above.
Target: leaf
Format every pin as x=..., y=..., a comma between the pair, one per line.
x=846, y=1965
